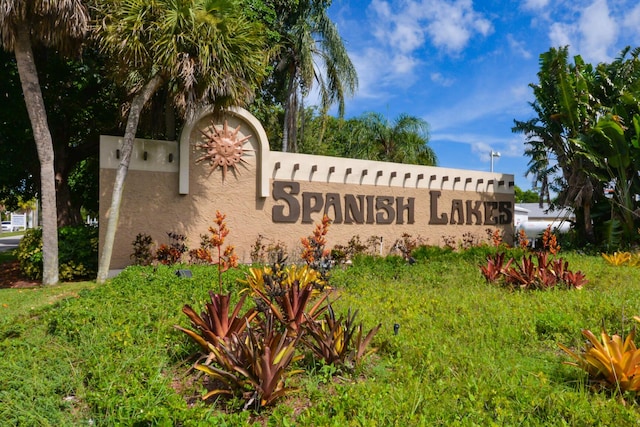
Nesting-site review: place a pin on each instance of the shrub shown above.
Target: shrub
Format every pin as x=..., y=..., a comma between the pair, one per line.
x=342, y=253
x=142, y=254
x=29, y=253
x=77, y=252
x=406, y=244
x=172, y=253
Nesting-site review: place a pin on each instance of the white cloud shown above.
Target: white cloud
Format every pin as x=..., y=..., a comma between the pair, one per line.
x=598, y=32
x=560, y=34
x=536, y=4
x=442, y=80
x=632, y=19
x=379, y=70
x=452, y=25
x=593, y=35
x=402, y=30
x=447, y=25
x=518, y=47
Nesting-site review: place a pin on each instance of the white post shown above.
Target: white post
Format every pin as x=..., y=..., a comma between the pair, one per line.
x=494, y=154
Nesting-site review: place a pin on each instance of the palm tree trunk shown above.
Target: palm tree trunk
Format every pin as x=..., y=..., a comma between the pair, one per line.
x=290, y=117
x=44, y=144
x=138, y=103
x=588, y=226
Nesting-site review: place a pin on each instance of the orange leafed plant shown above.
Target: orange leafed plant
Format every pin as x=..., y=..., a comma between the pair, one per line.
x=610, y=361
x=523, y=241
x=496, y=238
x=550, y=242
x=313, y=246
x=227, y=258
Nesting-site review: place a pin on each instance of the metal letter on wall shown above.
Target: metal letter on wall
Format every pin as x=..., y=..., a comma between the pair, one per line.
x=280, y=193
x=386, y=214
x=308, y=207
x=402, y=207
x=333, y=201
x=435, y=219
x=353, y=211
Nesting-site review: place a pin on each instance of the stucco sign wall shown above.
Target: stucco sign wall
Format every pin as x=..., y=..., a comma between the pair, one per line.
x=223, y=162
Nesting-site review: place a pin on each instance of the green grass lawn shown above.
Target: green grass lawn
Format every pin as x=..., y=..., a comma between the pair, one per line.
x=11, y=233
x=466, y=352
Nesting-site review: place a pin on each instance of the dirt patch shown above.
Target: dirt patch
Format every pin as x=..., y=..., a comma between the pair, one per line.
x=12, y=277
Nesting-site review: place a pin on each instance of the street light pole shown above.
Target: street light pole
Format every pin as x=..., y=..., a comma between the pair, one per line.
x=494, y=154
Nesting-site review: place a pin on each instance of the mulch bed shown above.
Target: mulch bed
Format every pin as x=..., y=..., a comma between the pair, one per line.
x=12, y=277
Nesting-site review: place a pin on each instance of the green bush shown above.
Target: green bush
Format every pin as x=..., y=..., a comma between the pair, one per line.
x=77, y=252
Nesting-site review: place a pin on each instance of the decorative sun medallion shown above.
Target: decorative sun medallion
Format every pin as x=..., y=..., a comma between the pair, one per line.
x=223, y=148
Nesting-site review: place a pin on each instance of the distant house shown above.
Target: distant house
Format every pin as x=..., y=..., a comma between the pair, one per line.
x=534, y=219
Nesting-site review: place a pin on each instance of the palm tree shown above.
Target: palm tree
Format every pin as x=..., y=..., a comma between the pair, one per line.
x=403, y=141
x=565, y=111
x=203, y=50
x=61, y=24
x=312, y=45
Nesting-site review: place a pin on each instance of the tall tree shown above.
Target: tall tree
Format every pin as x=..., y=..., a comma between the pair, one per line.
x=613, y=146
x=525, y=196
x=564, y=111
x=403, y=141
x=370, y=137
x=312, y=53
x=62, y=24
x=586, y=136
x=204, y=51
x=84, y=103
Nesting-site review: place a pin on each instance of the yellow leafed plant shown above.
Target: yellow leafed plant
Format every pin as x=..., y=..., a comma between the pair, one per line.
x=634, y=261
x=265, y=278
x=610, y=361
x=617, y=258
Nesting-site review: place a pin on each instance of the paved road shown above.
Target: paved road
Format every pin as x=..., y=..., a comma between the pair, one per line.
x=8, y=243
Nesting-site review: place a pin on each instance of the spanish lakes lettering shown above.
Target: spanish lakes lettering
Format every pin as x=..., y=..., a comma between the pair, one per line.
x=471, y=212
x=369, y=209
x=350, y=209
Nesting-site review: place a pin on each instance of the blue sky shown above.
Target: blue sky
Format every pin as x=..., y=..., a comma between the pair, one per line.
x=465, y=66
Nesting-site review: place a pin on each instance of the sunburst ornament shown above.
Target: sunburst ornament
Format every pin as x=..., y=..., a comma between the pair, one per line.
x=223, y=147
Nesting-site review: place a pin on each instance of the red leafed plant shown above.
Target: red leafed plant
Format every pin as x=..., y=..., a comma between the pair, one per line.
x=215, y=323
x=255, y=364
x=524, y=274
x=495, y=237
x=338, y=342
x=574, y=279
x=495, y=267
x=172, y=253
x=295, y=305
